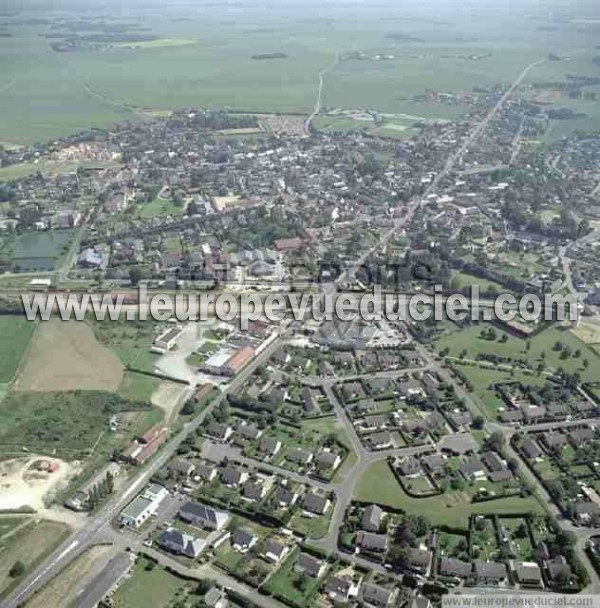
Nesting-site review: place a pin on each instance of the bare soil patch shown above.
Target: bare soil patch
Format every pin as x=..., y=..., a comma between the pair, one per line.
x=22, y=485
x=168, y=396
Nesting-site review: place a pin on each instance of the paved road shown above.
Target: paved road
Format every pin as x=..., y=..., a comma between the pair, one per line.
x=87, y=534
x=110, y=575
x=97, y=525
x=508, y=431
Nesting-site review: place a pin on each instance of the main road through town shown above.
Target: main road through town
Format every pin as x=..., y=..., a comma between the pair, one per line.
x=93, y=529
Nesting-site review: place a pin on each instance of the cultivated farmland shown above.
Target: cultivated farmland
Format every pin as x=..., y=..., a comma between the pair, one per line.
x=65, y=356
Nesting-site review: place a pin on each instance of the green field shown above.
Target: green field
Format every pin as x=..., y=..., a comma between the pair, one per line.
x=160, y=207
x=15, y=334
x=68, y=424
x=138, y=387
x=483, y=381
x=154, y=588
x=131, y=342
x=210, y=60
x=462, y=280
x=378, y=484
x=29, y=545
x=469, y=340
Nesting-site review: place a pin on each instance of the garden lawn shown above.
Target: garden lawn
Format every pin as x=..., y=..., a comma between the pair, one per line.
x=288, y=583
x=154, y=588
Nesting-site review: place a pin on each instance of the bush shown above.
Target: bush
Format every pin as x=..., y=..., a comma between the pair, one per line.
x=18, y=569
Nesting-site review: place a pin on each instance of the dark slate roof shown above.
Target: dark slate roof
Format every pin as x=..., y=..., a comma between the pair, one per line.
x=455, y=567
x=371, y=517
x=375, y=594
x=315, y=503
x=370, y=540
x=309, y=564
x=242, y=537
x=492, y=570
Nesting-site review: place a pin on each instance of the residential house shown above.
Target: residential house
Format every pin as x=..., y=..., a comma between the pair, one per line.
x=489, y=573
x=419, y=560
x=299, y=456
x=379, y=441
x=178, y=542
x=309, y=565
x=328, y=460
x=376, y=595
x=204, y=473
x=371, y=541
x=242, y=540
x=269, y=446
x=558, y=569
x=233, y=477
x=528, y=574
x=450, y=566
x=219, y=431
x=284, y=497
x=316, y=504
x=203, y=515
x=371, y=518
x=274, y=551
x=530, y=448
x=338, y=589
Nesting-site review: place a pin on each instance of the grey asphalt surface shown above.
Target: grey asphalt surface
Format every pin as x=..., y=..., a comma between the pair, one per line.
x=116, y=569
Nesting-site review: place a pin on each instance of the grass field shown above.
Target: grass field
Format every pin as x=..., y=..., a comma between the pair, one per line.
x=516, y=348
x=149, y=588
x=68, y=424
x=379, y=485
x=47, y=167
x=29, y=545
x=138, y=387
x=8, y=525
x=15, y=335
x=159, y=207
x=588, y=332
x=131, y=342
x=461, y=280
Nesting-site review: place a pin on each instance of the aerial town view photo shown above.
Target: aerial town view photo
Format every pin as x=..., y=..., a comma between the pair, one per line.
x=299, y=304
